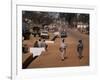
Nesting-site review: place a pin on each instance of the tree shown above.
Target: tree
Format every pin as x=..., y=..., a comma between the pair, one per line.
x=84, y=18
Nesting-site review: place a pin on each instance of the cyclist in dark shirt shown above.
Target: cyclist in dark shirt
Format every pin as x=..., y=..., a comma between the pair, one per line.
x=80, y=48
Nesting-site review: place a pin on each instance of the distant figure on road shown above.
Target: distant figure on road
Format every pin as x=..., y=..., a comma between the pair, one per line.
x=44, y=45
x=80, y=49
x=62, y=49
x=36, y=44
x=39, y=43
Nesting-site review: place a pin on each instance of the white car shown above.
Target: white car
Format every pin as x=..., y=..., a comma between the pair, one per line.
x=44, y=34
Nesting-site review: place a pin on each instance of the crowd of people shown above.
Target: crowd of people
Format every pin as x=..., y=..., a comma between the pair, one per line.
x=63, y=47
x=41, y=43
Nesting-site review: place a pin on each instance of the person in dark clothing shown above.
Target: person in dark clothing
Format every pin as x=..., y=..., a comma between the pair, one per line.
x=80, y=49
x=25, y=48
x=36, y=44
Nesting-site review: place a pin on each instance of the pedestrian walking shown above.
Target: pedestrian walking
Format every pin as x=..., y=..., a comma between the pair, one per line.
x=39, y=43
x=62, y=49
x=36, y=44
x=80, y=49
x=44, y=45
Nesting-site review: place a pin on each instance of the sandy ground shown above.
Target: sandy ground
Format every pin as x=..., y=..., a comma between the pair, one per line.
x=52, y=58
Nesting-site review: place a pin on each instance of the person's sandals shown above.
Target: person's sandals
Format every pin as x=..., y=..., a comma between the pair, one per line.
x=80, y=57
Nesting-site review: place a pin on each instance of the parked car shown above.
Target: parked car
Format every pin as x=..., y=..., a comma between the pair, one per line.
x=63, y=34
x=44, y=34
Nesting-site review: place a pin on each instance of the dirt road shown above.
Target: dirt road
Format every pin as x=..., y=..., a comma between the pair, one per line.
x=51, y=58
